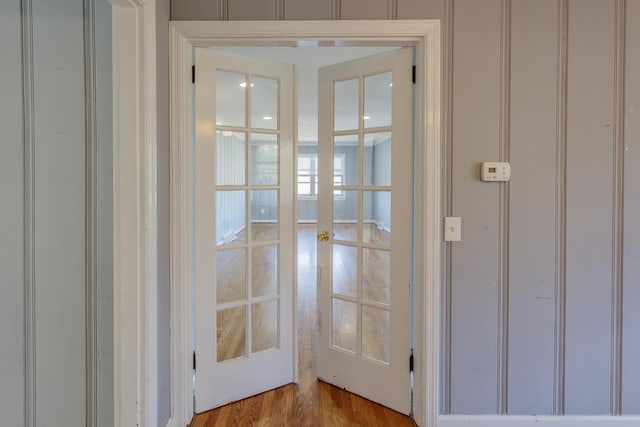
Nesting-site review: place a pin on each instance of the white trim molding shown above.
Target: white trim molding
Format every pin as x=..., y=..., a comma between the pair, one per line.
x=424, y=35
x=538, y=421
x=135, y=210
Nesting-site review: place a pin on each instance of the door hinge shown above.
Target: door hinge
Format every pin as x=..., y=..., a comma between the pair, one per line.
x=193, y=74
x=194, y=360
x=413, y=74
x=411, y=362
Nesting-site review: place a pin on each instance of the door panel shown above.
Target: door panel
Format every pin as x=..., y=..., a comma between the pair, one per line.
x=243, y=227
x=365, y=186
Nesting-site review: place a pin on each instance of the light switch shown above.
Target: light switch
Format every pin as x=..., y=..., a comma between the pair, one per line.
x=452, y=229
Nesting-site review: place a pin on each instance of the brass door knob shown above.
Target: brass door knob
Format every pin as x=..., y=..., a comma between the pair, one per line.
x=323, y=236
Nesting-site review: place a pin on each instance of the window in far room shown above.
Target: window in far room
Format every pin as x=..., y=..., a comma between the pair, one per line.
x=308, y=175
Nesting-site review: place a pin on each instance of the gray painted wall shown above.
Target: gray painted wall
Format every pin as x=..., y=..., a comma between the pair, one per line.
x=541, y=294
x=164, y=273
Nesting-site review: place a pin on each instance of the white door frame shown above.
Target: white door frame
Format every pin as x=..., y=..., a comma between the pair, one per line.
x=135, y=209
x=425, y=36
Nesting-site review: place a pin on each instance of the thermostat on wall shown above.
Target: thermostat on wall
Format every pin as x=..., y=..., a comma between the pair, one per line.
x=495, y=171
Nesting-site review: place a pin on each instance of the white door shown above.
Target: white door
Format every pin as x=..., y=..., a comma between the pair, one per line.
x=244, y=224
x=364, y=223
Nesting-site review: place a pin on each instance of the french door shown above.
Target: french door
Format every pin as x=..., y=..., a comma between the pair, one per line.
x=364, y=223
x=244, y=224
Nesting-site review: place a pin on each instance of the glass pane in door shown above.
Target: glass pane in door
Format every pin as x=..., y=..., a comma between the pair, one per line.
x=346, y=104
x=231, y=335
x=231, y=275
x=377, y=159
x=264, y=103
x=376, y=333
x=344, y=324
x=264, y=159
x=345, y=270
x=378, y=91
x=230, y=158
x=264, y=326
x=231, y=98
x=376, y=225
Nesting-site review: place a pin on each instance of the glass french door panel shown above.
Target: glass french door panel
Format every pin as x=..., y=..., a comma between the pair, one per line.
x=264, y=270
x=231, y=98
x=345, y=107
x=345, y=160
x=231, y=223
x=344, y=327
x=378, y=99
x=264, y=159
x=231, y=275
x=376, y=224
x=230, y=157
x=264, y=103
x=264, y=325
x=376, y=333
x=345, y=216
x=264, y=215
x=345, y=270
x=377, y=159
x=376, y=275
x=231, y=333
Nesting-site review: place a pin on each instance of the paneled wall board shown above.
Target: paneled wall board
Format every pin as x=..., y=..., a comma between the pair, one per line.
x=365, y=9
x=58, y=35
x=532, y=231
x=631, y=253
x=240, y=10
x=308, y=9
x=12, y=327
x=208, y=10
x=104, y=225
x=590, y=150
x=421, y=9
x=476, y=129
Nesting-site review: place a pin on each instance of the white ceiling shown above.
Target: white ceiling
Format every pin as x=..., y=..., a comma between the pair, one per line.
x=307, y=60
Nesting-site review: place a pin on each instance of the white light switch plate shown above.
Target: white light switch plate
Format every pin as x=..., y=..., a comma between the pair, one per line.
x=452, y=229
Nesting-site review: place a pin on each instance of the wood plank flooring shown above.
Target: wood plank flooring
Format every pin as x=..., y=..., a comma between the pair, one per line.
x=310, y=402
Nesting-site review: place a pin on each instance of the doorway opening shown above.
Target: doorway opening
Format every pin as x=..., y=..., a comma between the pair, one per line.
x=374, y=216
x=425, y=37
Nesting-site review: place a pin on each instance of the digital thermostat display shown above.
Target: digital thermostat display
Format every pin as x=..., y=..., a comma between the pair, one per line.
x=495, y=171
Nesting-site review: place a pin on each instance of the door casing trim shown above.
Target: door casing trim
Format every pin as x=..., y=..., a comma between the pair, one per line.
x=425, y=36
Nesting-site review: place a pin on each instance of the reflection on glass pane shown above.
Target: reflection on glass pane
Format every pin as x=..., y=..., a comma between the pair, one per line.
x=377, y=158
x=231, y=275
x=264, y=103
x=346, y=104
x=376, y=275
x=230, y=98
x=343, y=325
x=230, y=217
x=345, y=160
x=230, y=158
x=264, y=215
x=376, y=333
x=264, y=159
x=264, y=270
x=264, y=326
x=231, y=333
x=377, y=100
x=345, y=270
x=376, y=214
x=345, y=216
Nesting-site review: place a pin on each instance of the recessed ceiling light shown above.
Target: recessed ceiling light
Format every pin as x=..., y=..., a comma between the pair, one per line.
x=367, y=117
x=227, y=133
x=267, y=118
x=243, y=84
x=390, y=84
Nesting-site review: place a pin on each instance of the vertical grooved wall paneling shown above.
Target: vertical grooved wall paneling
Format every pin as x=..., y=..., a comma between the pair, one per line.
x=590, y=174
x=420, y=9
x=364, y=9
x=560, y=208
x=503, y=213
x=631, y=242
x=250, y=10
x=59, y=124
x=210, y=10
x=307, y=9
x=531, y=213
x=475, y=137
x=12, y=219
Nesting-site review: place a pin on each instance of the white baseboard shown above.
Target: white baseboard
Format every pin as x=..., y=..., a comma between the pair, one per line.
x=538, y=421
x=172, y=422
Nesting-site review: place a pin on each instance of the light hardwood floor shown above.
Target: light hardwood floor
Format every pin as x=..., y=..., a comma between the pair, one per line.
x=309, y=402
